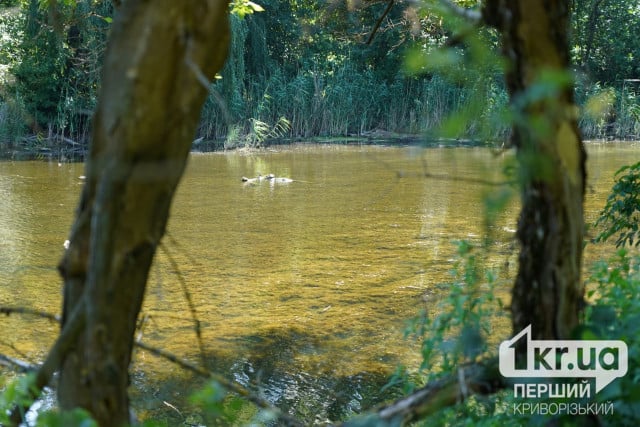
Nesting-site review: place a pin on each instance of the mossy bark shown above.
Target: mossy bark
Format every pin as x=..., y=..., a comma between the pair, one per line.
x=158, y=58
x=548, y=292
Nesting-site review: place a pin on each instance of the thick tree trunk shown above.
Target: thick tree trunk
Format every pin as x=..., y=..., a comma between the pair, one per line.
x=548, y=292
x=158, y=58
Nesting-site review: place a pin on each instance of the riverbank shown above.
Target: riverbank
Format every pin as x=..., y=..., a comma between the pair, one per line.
x=64, y=150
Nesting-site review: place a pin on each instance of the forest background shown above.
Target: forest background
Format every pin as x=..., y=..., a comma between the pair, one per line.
x=307, y=69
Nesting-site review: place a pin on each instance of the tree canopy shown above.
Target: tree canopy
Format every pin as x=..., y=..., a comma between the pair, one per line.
x=341, y=63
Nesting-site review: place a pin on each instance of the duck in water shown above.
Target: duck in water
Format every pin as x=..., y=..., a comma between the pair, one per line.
x=259, y=178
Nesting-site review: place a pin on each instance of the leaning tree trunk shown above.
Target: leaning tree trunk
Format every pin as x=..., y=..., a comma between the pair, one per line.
x=548, y=292
x=160, y=56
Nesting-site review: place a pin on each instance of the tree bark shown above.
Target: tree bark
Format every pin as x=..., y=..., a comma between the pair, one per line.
x=152, y=92
x=548, y=292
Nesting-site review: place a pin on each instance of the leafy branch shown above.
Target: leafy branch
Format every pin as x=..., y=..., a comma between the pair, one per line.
x=621, y=214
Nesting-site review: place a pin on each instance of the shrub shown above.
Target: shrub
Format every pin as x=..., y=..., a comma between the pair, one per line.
x=621, y=214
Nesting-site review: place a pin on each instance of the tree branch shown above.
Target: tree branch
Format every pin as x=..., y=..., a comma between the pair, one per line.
x=379, y=21
x=187, y=296
x=17, y=364
x=482, y=378
x=25, y=310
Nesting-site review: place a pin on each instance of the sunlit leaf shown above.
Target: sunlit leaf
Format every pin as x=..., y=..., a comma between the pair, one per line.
x=600, y=104
x=256, y=7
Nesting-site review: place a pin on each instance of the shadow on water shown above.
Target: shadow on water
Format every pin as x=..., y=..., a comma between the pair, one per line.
x=267, y=368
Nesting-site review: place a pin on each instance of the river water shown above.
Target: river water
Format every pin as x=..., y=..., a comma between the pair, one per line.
x=302, y=289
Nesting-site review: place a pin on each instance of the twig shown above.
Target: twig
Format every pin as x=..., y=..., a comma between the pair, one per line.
x=174, y=408
x=444, y=177
x=204, y=81
x=379, y=21
x=190, y=304
x=13, y=347
x=25, y=310
x=17, y=364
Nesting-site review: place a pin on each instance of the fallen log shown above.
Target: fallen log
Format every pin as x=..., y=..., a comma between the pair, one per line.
x=482, y=378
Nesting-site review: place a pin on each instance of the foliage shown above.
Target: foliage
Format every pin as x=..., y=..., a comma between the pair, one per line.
x=15, y=393
x=261, y=131
x=12, y=122
x=221, y=408
x=605, y=39
x=309, y=64
x=621, y=214
x=242, y=8
x=54, y=53
x=609, y=112
x=458, y=330
x=322, y=69
x=615, y=315
x=73, y=418
x=39, y=75
x=466, y=57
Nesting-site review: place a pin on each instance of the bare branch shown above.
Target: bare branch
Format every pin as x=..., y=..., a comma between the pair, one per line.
x=444, y=177
x=17, y=364
x=379, y=21
x=30, y=311
x=187, y=297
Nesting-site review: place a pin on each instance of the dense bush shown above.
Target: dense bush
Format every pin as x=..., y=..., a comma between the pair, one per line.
x=621, y=215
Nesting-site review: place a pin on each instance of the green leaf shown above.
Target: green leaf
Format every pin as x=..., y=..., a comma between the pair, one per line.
x=74, y=418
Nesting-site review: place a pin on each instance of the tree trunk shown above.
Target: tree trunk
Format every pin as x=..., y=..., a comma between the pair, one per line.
x=159, y=58
x=548, y=292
